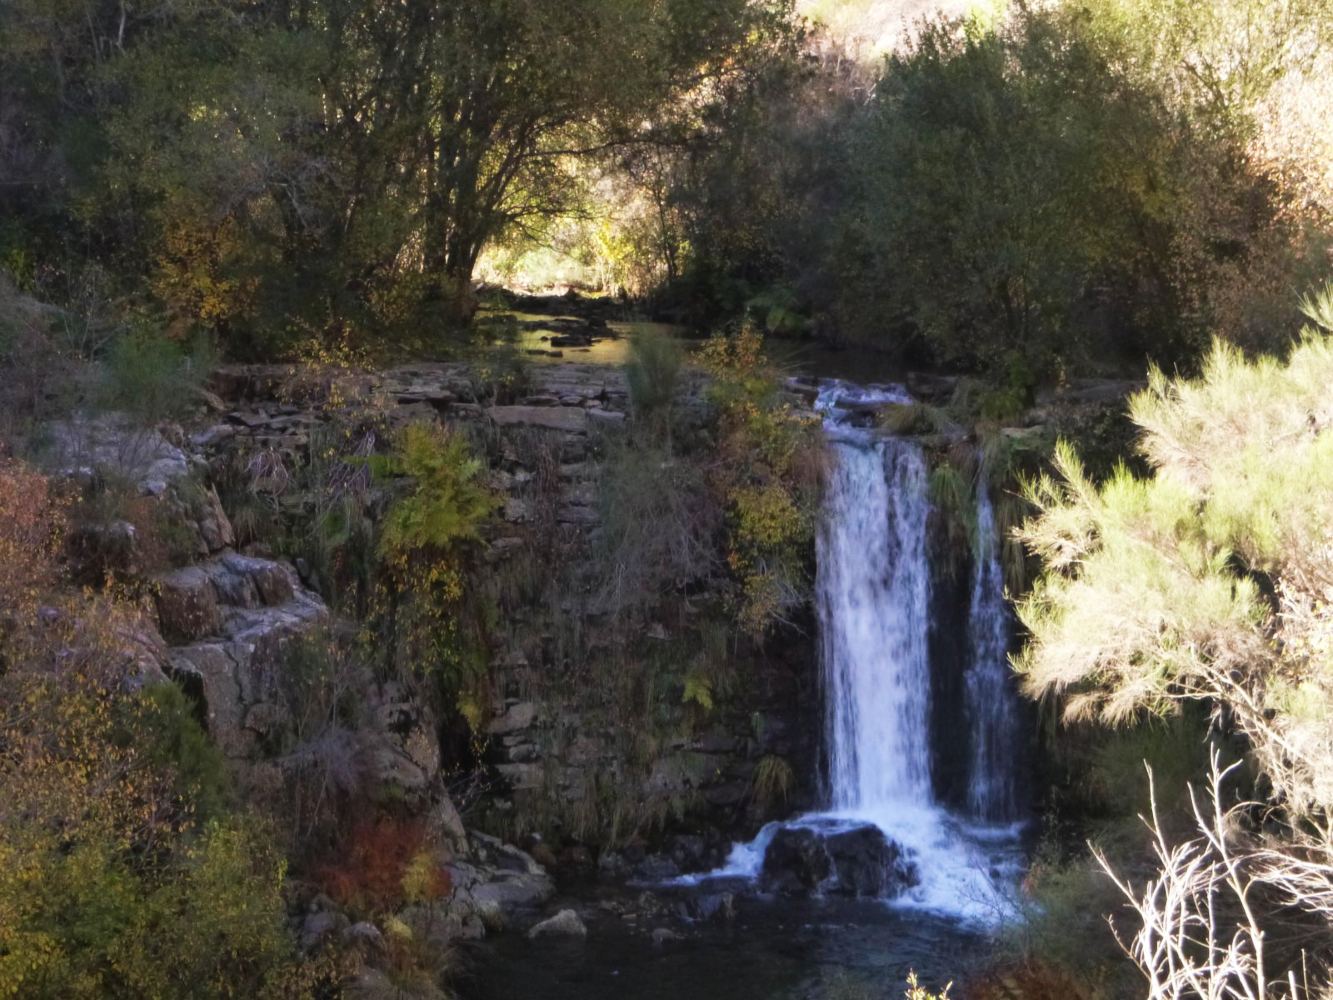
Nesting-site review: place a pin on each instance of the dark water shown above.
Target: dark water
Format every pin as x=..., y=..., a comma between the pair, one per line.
x=805, y=357
x=772, y=950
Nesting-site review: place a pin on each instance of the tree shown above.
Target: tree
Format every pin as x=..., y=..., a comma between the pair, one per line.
x=1223, y=56
x=1210, y=582
x=289, y=157
x=1009, y=182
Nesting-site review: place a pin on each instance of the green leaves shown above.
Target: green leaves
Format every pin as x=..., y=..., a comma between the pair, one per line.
x=1207, y=580
x=448, y=502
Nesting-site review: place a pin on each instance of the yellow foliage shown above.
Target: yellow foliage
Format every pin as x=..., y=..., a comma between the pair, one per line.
x=192, y=271
x=768, y=473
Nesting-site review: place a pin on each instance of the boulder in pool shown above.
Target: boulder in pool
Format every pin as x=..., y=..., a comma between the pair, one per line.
x=843, y=860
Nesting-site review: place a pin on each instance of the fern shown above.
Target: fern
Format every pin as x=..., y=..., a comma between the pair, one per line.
x=698, y=691
x=773, y=781
x=449, y=501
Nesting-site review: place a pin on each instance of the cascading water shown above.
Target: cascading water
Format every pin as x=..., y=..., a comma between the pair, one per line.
x=873, y=593
x=874, y=626
x=991, y=712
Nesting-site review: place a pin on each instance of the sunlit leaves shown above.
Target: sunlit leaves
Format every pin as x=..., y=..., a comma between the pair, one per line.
x=1210, y=580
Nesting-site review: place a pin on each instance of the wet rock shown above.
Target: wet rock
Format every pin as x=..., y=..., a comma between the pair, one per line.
x=656, y=868
x=665, y=935
x=566, y=923
x=795, y=863
x=931, y=388
x=850, y=861
x=867, y=863
x=712, y=906
x=689, y=851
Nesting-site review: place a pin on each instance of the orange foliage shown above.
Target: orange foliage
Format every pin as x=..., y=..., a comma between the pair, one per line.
x=32, y=524
x=373, y=870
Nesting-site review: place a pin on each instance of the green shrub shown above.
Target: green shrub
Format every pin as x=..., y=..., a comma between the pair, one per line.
x=177, y=743
x=429, y=624
x=767, y=477
x=153, y=378
x=1062, y=925
x=448, y=500
x=653, y=372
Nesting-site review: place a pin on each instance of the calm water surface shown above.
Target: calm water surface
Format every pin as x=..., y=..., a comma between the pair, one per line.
x=794, y=356
x=773, y=950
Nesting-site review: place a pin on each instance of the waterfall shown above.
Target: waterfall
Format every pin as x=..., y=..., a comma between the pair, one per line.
x=874, y=604
x=872, y=589
x=991, y=713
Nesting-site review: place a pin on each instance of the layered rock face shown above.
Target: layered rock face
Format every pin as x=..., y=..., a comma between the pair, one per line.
x=230, y=628
x=550, y=739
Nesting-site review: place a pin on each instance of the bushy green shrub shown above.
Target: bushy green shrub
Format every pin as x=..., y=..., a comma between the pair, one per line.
x=176, y=742
x=1061, y=925
x=1204, y=585
x=767, y=476
x=653, y=373
x=448, y=500
x=152, y=377
x=427, y=621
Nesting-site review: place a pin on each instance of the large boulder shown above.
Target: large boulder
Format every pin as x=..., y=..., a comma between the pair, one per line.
x=846, y=860
x=233, y=620
x=187, y=605
x=867, y=863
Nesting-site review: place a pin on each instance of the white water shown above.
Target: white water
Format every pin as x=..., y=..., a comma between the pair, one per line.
x=991, y=712
x=873, y=592
x=874, y=618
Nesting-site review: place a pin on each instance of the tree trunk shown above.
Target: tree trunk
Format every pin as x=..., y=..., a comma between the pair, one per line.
x=458, y=300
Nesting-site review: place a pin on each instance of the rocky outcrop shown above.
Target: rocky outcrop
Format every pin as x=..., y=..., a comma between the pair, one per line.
x=568, y=419
x=109, y=443
x=233, y=619
x=546, y=441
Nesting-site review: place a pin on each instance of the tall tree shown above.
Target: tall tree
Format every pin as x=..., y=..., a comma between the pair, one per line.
x=371, y=149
